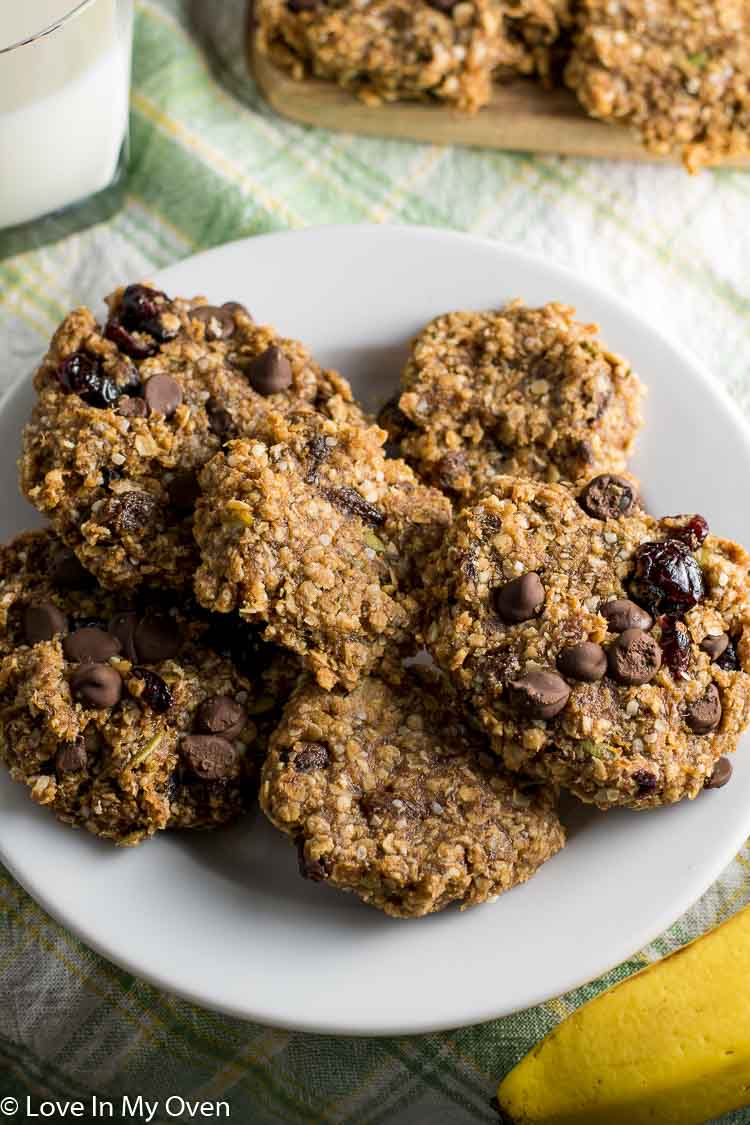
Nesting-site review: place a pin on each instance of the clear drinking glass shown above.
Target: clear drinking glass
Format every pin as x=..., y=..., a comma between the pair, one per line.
x=64, y=86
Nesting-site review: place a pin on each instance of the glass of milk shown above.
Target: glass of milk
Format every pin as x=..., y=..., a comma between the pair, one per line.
x=64, y=84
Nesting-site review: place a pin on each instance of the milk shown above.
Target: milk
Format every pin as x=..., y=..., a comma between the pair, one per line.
x=63, y=103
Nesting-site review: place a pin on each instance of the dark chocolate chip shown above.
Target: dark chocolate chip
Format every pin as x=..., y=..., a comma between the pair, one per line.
x=634, y=658
x=156, y=693
x=715, y=646
x=520, y=599
x=313, y=869
x=96, y=685
x=540, y=694
x=608, y=497
x=122, y=626
x=162, y=394
x=348, y=500
x=42, y=621
x=157, y=638
x=208, y=757
x=586, y=661
x=220, y=421
x=67, y=572
x=220, y=714
x=721, y=775
x=646, y=782
x=704, y=715
x=219, y=322
x=71, y=757
x=311, y=756
x=91, y=644
x=130, y=407
x=270, y=372
x=622, y=614
x=135, y=512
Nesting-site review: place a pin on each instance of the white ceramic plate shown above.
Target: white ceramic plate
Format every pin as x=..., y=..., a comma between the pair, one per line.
x=224, y=918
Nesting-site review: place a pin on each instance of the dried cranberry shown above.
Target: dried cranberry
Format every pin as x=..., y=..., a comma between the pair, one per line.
x=693, y=533
x=155, y=692
x=135, y=347
x=645, y=781
x=139, y=304
x=82, y=374
x=675, y=645
x=729, y=661
x=667, y=577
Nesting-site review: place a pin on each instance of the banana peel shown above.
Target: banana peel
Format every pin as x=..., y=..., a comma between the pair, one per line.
x=668, y=1046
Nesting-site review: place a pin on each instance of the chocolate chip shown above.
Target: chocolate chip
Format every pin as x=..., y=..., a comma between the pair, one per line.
x=313, y=869
x=42, y=621
x=157, y=638
x=646, y=782
x=608, y=497
x=129, y=407
x=586, y=661
x=622, y=614
x=67, y=572
x=715, y=646
x=122, y=626
x=96, y=685
x=219, y=322
x=270, y=372
x=184, y=490
x=348, y=500
x=220, y=421
x=311, y=756
x=540, y=694
x=71, y=757
x=135, y=511
x=155, y=693
x=520, y=599
x=704, y=715
x=220, y=714
x=162, y=394
x=91, y=644
x=634, y=658
x=208, y=757
x=721, y=775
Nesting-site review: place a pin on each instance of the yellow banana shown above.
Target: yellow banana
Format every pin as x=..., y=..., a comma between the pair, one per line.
x=668, y=1046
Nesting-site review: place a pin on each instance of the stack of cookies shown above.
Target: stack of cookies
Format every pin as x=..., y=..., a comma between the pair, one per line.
x=405, y=638
x=676, y=72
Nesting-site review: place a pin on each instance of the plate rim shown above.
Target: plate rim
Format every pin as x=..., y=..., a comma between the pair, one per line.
x=642, y=935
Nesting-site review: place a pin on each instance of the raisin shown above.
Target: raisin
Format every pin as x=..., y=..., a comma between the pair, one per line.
x=156, y=693
x=667, y=577
x=82, y=374
x=675, y=645
x=693, y=533
x=315, y=869
x=729, y=661
x=645, y=781
x=348, y=500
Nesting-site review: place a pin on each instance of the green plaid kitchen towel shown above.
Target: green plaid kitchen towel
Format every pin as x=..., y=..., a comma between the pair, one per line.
x=210, y=163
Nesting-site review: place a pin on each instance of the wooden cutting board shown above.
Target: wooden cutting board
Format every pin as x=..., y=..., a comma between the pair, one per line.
x=522, y=116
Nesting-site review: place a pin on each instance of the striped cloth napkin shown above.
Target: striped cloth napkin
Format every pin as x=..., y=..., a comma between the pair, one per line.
x=210, y=163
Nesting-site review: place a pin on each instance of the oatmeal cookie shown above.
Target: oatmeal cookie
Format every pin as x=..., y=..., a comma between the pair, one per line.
x=126, y=415
x=309, y=528
x=521, y=391
x=389, y=49
x=677, y=72
x=604, y=650
x=124, y=717
x=389, y=794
